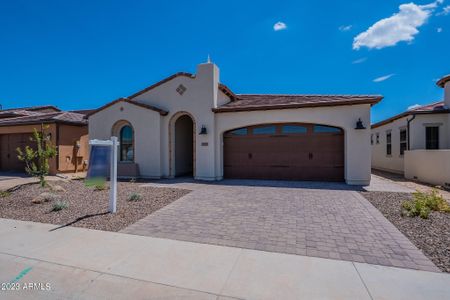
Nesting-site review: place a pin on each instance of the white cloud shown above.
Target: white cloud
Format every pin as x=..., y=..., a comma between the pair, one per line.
x=383, y=78
x=414, y=106
x=279, y=26
x=401, y=26
x=439, y=30
x=445, y=11
x=345, y=27
x=359, y=60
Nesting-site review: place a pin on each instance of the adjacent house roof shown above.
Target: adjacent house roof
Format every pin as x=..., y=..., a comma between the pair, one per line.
x=34, y=117
x=82, y=111
x=247, y=102
x=441, y=82
x=433, y=108
x=160, y=111
x=26, y=111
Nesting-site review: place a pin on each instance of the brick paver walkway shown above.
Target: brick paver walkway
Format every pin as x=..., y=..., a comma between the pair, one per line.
x=327, y=221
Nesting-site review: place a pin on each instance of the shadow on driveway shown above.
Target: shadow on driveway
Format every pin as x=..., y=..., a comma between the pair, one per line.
x=315, y=185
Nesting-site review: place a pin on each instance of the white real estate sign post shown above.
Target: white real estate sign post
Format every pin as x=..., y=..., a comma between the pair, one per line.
x=113, y=173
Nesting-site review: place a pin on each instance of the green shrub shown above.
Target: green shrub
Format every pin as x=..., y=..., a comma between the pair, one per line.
x=4, y=194
x=100, y=187
x=423, y=203
x=37, y=158
x=59, y=205
x=135, y=197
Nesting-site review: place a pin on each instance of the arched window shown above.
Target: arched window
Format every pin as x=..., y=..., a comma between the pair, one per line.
x=126, y=143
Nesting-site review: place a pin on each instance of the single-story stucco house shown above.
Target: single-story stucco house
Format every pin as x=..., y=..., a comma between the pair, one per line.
x=67, y=130
x=416, y=143
x=194, y=125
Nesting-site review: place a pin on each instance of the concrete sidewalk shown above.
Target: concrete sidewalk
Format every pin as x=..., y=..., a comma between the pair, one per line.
x=88, y=264
x=10, y=180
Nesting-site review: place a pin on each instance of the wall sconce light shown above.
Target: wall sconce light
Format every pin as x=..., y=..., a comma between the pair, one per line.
x=203, y=130
x=359, y=124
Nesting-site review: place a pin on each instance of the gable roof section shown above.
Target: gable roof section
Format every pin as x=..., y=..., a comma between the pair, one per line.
x=46, y=118
x=251, y=102
x=222, y=87
x=127, y=100
x=433, y=108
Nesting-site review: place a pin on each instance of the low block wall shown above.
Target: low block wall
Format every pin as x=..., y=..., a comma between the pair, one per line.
x=429, y=166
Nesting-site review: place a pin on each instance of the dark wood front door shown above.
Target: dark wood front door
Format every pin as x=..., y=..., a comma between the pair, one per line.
x=8, y=152
x=285, y=151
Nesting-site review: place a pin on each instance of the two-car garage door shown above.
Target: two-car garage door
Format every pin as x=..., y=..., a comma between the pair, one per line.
x=285, y=151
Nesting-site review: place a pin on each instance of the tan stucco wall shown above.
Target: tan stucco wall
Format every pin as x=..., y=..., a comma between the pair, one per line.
x=430, y=166
x=154, y=139
x=70, y=158
x=395, y=162
x=146, y=125
x=201, y=95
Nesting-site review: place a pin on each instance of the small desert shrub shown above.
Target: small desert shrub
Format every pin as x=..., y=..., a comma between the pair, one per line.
x=4, y=194
x=100, y=187
x=423, y=203
x=133, y=180
x=59, y=205
x=135, y=197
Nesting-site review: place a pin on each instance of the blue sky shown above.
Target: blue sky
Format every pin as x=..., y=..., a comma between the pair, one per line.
x=82, y=54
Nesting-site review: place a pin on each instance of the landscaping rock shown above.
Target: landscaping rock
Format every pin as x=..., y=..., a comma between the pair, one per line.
x=85, y=206
x=58, y=189
x=45, y=197
x=431, y=235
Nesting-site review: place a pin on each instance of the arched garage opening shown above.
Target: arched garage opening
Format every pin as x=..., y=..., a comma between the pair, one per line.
x=288, y=151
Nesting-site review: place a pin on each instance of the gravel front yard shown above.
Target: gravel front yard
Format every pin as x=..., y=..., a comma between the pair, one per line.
x=87, y=207
x=431, y=235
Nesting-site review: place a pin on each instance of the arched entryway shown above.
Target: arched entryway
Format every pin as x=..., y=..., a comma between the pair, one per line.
x=183, y=146
x=287, y=151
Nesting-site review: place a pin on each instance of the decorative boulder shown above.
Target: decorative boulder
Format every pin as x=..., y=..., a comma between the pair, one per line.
x=58, y=189
x=45, y=197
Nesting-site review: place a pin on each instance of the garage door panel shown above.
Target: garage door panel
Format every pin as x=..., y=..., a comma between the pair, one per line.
x=307, y=155
x=8, y=152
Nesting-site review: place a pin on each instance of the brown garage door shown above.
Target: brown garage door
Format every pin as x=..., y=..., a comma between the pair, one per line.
x=285, y=151
x=8, y=153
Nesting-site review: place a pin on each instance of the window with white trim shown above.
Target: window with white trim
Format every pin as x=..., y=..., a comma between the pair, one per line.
x=403, y=141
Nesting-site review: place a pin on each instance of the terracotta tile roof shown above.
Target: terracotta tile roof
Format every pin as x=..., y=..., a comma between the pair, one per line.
x=258, y=102
x=45, y=118
x=82, y=111
x=47, y=108
x=247, y=102
x=433, y=108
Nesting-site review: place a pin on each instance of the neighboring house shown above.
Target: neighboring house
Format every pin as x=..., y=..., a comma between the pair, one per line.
x=193, y=125
x=66, y=130
x=416, y=142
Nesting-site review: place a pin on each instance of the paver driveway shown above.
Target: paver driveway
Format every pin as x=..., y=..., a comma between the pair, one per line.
x=314, y=219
